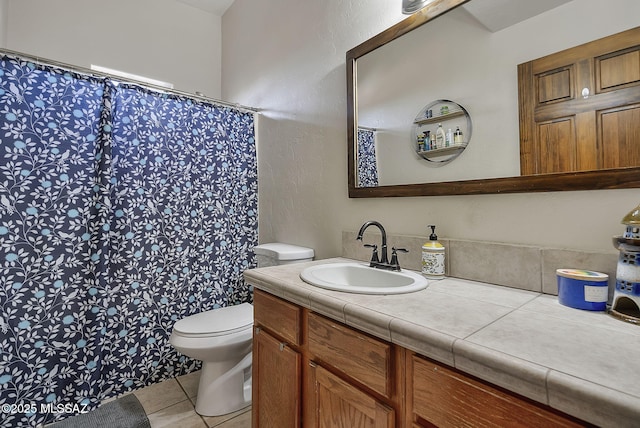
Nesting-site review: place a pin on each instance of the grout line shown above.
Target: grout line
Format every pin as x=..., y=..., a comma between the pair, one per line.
x=183, y=390
x=193, y=405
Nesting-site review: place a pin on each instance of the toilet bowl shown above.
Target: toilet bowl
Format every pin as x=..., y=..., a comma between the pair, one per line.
x=221, y=339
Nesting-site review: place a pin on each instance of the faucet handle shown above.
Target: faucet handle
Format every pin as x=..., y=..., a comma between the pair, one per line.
x=394, y=257
x=374, y=256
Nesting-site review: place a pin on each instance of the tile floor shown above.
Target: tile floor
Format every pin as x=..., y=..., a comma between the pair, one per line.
x=171, y=404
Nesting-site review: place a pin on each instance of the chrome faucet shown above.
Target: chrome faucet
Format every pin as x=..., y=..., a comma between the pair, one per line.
x=383, y=262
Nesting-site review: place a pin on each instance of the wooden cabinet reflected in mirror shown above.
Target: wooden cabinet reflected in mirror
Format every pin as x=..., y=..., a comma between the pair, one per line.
x=500, y=150
x=580, y=108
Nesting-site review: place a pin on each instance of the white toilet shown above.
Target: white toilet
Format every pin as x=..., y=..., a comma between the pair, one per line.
x=221, y=339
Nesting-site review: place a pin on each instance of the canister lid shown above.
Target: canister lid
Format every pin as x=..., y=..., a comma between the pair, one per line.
x=585, y=275
x=280, y=251
x=633, y=217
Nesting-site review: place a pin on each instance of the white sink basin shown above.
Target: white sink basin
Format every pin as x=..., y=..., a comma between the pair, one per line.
x=360, y=278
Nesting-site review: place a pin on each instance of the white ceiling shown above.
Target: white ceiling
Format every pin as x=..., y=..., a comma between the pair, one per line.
x=493, y=14
x=498, y=14
x=217, y=7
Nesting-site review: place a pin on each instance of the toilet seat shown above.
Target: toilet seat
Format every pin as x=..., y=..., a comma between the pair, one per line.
x=216, y=322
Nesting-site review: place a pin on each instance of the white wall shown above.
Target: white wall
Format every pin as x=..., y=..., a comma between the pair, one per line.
x=161, y=39
x=3, y=23
x=287, y=57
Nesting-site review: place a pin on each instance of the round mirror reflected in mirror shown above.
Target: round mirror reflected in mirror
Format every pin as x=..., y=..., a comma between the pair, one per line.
x=441, y=132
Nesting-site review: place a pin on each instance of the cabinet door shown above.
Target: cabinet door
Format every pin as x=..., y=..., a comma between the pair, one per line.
x=341, y=405
x=579, y=108
x=276, y=383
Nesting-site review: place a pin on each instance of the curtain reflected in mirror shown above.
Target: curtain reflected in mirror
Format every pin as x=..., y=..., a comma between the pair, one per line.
x=367, y=162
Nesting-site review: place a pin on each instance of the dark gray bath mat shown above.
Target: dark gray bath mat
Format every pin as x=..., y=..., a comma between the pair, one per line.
x=125, y=412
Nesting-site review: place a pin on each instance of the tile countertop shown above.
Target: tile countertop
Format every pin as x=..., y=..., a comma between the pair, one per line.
x=584, y=363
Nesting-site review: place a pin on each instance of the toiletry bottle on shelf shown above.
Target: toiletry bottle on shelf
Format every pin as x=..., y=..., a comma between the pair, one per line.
x=440, y=137
x=457, y=136
x=420, y=142
x=433, y=257
x=427, y=140
x=448, y=138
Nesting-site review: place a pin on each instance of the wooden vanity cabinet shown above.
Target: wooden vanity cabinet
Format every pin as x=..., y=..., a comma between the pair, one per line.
x=310, y=371
x=313, y=372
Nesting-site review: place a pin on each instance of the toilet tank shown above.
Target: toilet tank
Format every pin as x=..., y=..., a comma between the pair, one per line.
x=277, y=253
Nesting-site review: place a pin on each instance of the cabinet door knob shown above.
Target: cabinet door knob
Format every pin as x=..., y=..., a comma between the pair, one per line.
x=585, y=93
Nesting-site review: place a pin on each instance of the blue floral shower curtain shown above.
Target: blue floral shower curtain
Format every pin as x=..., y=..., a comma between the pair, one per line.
x=122, y=210
x=367, y=163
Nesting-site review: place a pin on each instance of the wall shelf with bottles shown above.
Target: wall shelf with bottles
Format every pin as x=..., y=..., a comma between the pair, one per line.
x=441, y=146
x=440, y=117
x=455, y=149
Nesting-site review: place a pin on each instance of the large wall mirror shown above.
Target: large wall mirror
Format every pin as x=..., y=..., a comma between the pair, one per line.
x=467, y=52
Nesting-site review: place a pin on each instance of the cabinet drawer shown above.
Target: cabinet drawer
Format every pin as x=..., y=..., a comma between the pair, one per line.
x=280, y=317
x=446, y=398
x=363, y=358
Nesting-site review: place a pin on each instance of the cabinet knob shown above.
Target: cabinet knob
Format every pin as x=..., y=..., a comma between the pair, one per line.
x=585, y=93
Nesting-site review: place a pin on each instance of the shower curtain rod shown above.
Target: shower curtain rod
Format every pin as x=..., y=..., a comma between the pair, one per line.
x=89, y=72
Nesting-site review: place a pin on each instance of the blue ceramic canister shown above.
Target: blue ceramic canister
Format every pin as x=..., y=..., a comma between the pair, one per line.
x=583, y=289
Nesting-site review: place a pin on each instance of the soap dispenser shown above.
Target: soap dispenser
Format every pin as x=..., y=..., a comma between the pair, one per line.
x=433, y=257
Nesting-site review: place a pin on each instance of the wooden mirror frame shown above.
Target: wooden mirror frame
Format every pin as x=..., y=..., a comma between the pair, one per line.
x=619, y=178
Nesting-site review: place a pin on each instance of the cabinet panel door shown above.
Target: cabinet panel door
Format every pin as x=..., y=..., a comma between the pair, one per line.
x=446, y=398
x=341, y=405
x=276, y=383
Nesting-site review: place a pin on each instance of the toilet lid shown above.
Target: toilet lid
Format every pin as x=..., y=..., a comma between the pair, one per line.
x=217, y=321
x=280, y=251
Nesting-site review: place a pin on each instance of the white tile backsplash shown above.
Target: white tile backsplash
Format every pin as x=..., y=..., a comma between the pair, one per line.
x=517, y=266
